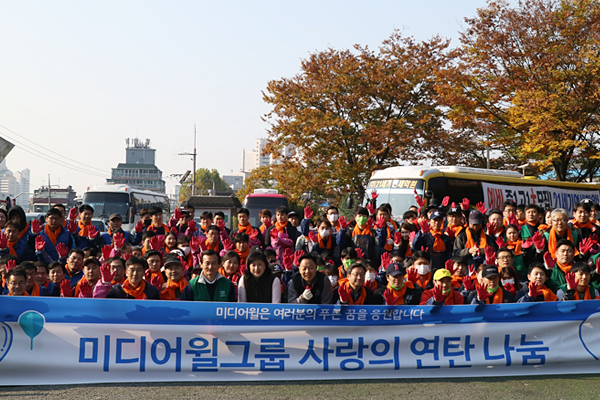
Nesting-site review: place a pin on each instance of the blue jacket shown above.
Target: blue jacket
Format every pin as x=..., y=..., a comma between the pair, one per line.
x=24, y=252
x=107, y=238
x=49, y=253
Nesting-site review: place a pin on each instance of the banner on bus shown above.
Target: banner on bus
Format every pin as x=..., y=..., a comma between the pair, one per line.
x=544, y=196
x=66, y=341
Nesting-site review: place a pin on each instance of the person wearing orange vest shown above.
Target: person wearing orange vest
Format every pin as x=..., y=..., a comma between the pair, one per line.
x=489, y=291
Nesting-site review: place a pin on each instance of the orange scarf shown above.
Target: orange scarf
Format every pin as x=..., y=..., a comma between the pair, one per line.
x=471, y=243
x=82, y=281
x=247, y=229
x=243, y=255
x=280, y=227
x=11, y=248
x=400, y=293
x=235, y=277
x=138, y=293
x=564, y=268
x=35, y=291
x=153, y=228
x=323, y=245
x=115, y=282
x=552, y=242
x=424, y=282
x=169, y=292
x=83, y=229
x=498, y=297
x=456, y=229
x=586, y=295
x=211, y=246
x=438, y=243
x=341, y=273
x=515, y=246
x=53, y=236
x=24, y=231
x=457, y=281
x=548, y=294
x=357, y=231
x=161, y=278
x=588, y=225
x=388, y=247
x=262, y=229
x=361, y=298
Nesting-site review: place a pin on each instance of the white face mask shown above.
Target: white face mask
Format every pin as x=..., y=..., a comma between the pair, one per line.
x=333, y=279
x=186, y=250
x=423, y=269
x=325, y=233
x=505, y=281
x=370, y=276
x=333, y=217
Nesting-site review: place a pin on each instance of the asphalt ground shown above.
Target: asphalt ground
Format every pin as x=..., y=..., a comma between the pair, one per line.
x=538, y=388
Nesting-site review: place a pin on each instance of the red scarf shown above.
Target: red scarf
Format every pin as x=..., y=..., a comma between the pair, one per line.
x=138, y=293
x=234, y=278
x=169, y=293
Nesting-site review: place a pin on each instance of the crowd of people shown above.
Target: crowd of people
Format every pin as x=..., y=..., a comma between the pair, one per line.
x=447, y=254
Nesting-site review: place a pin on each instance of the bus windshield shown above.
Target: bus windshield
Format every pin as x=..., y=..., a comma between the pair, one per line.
x=106, y=203
x=255, y=204
x=399, y=193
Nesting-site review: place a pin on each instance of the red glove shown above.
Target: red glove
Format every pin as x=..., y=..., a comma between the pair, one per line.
x=438, y=294
x=227, y=244
x=36, y=226
x=174, y=230
x=370, y=223
x=471, y=269
x=126, y=256
x=147, y=275
x=359, y=252
x=202, y=242
x=254, y=234
x=40, y=243
x=3, y=241
x=419, y=199
x=288, y=259
x=195, y=243
x=10, y=264
x=73, y=214
x=450, y=266
x=598, y=265
x=513, y=220
x=533, y=290
x=62, y=250
x=139, y=226
x=85, y=289
x=481, y=207
x=389, y=297
x=548, y=260
x=72, y=227
x=221, y=224
x=468, y=283
x=425, y=249
x=412, y=275
x=106, y=249
x=65, y=288
x=185, y=266
x=425, y=228
x=511, y=288
x=411, y=237
x=371, y=208
x=312, y=236
x=482, y=293
x=500, y=242
x=343, y=222
x=465, y=204
x=308, y=212
x=539, y=241
x=490, y=255
x=119, y=240
x=92, y=232
x=450, y=233
x=385, y=261
x=192, y=226
x=374, y=194
x=297, y=256
x=268, y=223
x=177, y=214
x=155, y=281
x=491, y=228
x=397, y=237
x=107, y=274
x=571, y=281
x=586, y=245
x=527, y=243
x=380, y=222
x=155, y=243
x=344, y=293
x=445, y=201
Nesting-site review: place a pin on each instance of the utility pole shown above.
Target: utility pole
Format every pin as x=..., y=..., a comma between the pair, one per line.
x=194, y=163
x=49, y=194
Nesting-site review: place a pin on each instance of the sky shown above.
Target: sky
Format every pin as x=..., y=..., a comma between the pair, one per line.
x=79, y=77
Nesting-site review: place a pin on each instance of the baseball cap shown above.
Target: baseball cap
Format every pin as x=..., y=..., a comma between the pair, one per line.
x=475, y=217
x=441, y=274
x=489, y=271
x=114, y=215
x=395, y=269
x=172, y=258
x=435, y=215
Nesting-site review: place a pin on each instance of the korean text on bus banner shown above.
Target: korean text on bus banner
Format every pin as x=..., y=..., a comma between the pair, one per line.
x=65, y=341
x=544, y=196
x=394, y=184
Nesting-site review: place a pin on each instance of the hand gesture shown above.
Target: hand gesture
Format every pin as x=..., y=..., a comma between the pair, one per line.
x=397, y=237
x=586, y=245
x=371, y=208
x=468, y=283
x=65, y=288
x=359, y=252
x=411, y=237
x=297, y=256
x=533, y=289
x=482, y=293
x=419, y=199
x=491, y=228
x=288, y=259
x=412, y=275
x=490, y=255
x=268, y=222
x=385, y=261
x=177, y=214
x=106, y=249
x=344, y=292
x=438, y=293
x=156, y=282
x=202, y=242
x=370, y=223
x=10, y=264
x=308, y=212
x=343, y=222
x=307, y=294
x=598, y=265
x=445, y=201
x=465, y=204
x=380, y=222
x=374, y=194
x=195, y=243
x=511, y=288
x=539, y=241
x=72, y=227
x=390, y=298
x=513, y=220
x=3, y=241
x=527, y=243
x=73, y=214
x=191, y=227
x=450, y=232
x=92, y=232
x=107, y=274
x=221, y=224
x=155, y=243
x=254, y=234
x=36, y=226
x=147, y=275
x=40, y=243
x=450, y=266
x=549, y=261
x=500, y=242
x=62, y=250
x=139, y=226
x=571, y=281
x=425, y=227
x=85, y=289
x=312, y=236
x=481, y=207
x=119, y=240
x=472, y=270
x=227, y=244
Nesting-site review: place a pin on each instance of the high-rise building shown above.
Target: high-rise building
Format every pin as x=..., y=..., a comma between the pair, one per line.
x=23, y=187
x=15, y=185
x=139, y=169
x=255, y=158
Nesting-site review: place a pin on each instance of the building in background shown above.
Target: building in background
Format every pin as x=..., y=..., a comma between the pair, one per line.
x=23, y=187
x=139, y=169
x=43, y=199
x=255, y=158
x=15, y=185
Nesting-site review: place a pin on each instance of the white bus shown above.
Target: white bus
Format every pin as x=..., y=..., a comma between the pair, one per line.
x=125, y=201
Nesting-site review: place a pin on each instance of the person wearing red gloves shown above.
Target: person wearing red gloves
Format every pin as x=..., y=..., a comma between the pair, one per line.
x=578, y=286
x=442, y=293
x=489, y=291
x=353, y=292
x=134, y=287
x=400, y=291
x=434, y=241
x=309, y=286
x=561, y=265
x=473, y=240
x=54, y=237
x=11, y=244
x=282, y=235
x=582, y=223
x=86, y=234
x=537, y=290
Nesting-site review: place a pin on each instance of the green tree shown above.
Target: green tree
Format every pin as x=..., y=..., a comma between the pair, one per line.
x=204, y=183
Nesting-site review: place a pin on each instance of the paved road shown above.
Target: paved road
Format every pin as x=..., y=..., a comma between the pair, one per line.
x=537, y=388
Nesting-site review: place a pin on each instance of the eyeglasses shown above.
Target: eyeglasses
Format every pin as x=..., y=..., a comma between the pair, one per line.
x=504, y=258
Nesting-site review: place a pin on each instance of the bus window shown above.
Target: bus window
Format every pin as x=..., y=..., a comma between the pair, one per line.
x=105, y=204
x=256, y=203
x=399, y=193
x=459, y=189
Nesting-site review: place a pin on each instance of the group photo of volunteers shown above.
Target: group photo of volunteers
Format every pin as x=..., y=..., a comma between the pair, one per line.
x=451, y=253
